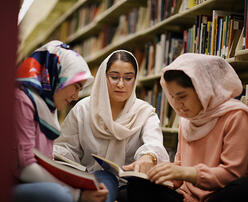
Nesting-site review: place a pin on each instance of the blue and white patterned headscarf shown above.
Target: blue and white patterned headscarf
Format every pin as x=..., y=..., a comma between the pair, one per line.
x=43, y=73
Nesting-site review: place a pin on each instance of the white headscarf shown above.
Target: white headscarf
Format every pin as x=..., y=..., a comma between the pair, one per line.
x=216, y=84
x=130, y=120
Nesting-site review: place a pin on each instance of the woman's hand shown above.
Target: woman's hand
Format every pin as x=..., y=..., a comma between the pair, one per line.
x=143, y=164
x=95, y=196
x=169, y=171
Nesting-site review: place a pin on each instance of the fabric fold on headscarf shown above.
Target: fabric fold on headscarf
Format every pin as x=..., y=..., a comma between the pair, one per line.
x=216, y=84
x=131, y=119
x=47, y=70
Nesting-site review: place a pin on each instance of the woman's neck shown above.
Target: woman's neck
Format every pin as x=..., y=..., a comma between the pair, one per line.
x=116, y=109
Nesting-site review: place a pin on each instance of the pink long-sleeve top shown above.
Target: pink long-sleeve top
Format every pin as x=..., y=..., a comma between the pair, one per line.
x=28, y=133
x=220, y=157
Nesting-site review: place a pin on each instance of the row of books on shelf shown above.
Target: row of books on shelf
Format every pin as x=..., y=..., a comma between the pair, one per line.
x=159, y=53
x=137, y=19
x=201, y=38
x=160, y=10
x=156, y=97
x=215, y=35
x=83, y=16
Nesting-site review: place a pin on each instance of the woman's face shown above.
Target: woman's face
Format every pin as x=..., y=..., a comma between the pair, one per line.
x=120, y=81
x=67, y=94
x=184, y=100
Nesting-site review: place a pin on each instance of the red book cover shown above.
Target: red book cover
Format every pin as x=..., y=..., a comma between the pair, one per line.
x=71, y=176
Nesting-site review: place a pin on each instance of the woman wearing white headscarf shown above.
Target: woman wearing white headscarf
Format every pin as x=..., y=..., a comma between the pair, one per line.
x=47, y=80
x=213, y=134
x=112, y=122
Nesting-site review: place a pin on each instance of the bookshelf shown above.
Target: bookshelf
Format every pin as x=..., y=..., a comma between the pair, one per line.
x=108, y=16
x=177, y=21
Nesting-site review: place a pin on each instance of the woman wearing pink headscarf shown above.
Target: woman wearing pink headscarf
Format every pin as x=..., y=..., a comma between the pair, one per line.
x=48, y=80
x=213, y=133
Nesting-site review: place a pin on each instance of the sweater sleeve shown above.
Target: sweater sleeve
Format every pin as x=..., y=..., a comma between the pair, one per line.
x=25, y=131
x=153, y=140
x=233, y=158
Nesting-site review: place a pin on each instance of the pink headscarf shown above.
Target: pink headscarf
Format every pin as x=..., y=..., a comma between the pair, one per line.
x=216, y=84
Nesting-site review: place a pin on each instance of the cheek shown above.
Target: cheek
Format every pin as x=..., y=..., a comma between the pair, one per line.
x=196, y=106
x=109, y=86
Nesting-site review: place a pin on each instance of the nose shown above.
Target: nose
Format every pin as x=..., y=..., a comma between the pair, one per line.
x=120, y=82
x=75, y=96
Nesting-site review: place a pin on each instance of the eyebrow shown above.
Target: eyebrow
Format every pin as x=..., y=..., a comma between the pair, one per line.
x=180, y=93
x=119, y=72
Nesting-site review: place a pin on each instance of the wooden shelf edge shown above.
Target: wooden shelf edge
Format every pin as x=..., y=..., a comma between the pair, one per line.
x=108, y=49
x=110, y=10
x=241, y=53
x=44, y=36
x=97, y=21
x=149, y=78
x=81, y=32
x=65, y=16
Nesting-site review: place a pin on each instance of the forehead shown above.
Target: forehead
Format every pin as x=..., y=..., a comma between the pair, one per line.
x=175, y=89
x=121, y=67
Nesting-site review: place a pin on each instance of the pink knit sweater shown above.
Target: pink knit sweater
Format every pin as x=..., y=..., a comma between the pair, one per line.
x=28, y=133
x=220, y=157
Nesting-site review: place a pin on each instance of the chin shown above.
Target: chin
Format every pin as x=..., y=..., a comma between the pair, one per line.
x=120, y=99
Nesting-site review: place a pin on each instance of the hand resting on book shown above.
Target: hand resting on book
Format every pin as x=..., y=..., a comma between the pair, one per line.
x=143, y=164
x=170, y=171
x=120, y=173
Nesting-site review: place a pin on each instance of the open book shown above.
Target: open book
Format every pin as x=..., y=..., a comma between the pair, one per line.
x=70, y=175
x=68, y=162
x=119, y=172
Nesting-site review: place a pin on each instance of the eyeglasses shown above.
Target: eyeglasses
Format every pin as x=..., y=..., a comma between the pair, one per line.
x=115, y=78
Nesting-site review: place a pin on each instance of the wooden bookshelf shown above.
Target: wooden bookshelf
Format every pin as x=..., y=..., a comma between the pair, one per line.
x=108, y=16
x=178, y=22
x=28, y=48
x=175, y=23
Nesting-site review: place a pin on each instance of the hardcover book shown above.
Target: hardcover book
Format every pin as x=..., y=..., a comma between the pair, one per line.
x=70, y=175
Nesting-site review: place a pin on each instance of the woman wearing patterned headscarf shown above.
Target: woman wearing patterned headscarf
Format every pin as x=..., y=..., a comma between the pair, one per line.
x=48, y=80
x=112, y=122
x=213, y=134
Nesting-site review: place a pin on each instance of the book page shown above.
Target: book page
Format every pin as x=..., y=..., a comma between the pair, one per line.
x=107, y=165
x=68, y=162
x=132, y=173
